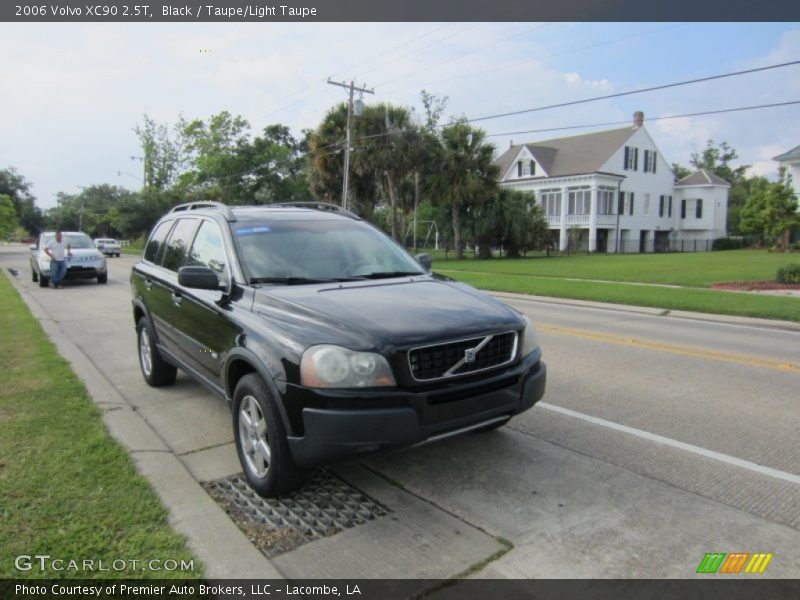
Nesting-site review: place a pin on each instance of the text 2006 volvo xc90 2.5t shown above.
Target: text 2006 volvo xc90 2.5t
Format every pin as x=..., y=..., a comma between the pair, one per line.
x=326, y=337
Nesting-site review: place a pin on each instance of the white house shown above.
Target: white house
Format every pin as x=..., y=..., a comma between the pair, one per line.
x=614, y=189
x=791, y=162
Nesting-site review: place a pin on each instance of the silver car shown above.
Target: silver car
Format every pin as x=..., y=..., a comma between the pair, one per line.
x=85, y=262
x=108, y=246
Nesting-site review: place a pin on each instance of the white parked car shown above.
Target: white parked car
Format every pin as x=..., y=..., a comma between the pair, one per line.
x=108, y=246
x=85, y=262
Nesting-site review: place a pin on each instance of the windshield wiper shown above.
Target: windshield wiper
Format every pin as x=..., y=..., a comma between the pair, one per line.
x=389, y=274
x=301, y=280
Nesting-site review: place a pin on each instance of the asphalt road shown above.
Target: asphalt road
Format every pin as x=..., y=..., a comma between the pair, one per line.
x=660, y=438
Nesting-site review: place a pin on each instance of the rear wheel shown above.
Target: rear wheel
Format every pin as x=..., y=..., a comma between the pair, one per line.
x=261, y=440
x=34, y=276
x=155, y=370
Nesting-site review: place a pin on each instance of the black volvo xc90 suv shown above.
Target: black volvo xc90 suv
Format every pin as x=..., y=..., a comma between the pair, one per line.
x=326, y=337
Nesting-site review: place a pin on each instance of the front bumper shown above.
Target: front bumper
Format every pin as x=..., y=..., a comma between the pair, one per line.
x=345, y=424
x=77, y=269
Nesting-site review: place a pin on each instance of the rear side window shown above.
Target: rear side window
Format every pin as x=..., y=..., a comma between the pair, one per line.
x=151, y=252
x=179, y=241
x=208, y=251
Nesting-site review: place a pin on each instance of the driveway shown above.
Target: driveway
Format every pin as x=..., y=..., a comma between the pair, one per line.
x=660, y=438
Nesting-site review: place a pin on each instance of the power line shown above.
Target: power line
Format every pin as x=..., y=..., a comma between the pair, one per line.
x=686, y=115
x=631, y=92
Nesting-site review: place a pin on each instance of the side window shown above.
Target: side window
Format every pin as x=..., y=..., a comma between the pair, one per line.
x=153, y=248
x=208, y=251
x=178, y=243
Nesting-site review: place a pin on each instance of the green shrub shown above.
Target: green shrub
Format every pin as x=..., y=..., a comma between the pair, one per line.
x=728, y=243
x=788, y=274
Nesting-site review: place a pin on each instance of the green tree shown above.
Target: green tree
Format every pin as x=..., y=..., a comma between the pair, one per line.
x=770, y=212
x=680, y=171
x=465, y=176
x=163, y=152
x=8, y=216
x=15, y=186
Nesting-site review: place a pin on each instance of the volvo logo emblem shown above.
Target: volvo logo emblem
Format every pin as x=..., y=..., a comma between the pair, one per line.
x=469, y=355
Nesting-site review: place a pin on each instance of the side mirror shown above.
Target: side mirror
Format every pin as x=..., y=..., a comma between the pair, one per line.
x=424, y=260
x=201, y=278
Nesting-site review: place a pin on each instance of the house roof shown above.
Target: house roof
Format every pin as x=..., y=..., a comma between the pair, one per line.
x=702, y=177
x=570, y=155
x=793, y=154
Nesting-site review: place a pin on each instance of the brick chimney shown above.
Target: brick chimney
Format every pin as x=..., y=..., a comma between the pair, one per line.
x=638, y=119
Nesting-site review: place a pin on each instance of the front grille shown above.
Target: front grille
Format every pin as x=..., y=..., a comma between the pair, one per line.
x=442, y=360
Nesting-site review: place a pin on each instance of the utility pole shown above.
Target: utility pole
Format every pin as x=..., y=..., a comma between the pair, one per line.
x=351, y=89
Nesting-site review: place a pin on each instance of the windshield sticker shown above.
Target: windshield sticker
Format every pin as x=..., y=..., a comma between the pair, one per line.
x=252, y=230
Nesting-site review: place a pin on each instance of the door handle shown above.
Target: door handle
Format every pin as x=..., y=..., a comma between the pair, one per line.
x=148, y=283
x=176, y=299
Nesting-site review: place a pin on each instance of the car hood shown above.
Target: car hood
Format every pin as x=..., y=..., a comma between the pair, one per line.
x=396, y=312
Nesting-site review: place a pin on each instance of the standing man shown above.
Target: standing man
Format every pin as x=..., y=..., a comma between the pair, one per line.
x=58, y=259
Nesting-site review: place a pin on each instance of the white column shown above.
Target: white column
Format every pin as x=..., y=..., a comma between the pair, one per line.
x=593, y=221
x=562, y=240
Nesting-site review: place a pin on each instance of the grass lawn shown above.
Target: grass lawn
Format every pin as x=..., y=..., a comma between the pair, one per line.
x=698, y=269
x=692, y=299
x=133, y=250
x=66, y=488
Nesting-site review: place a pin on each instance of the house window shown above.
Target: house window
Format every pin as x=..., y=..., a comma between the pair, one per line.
x=649, y=161
x=683, y=209
x=647, y=204
x=605, y=201
x=631, y=162
x=551, y=202
x=698, y=209
x=533, y=168
x=580, y=201
x=519, y=168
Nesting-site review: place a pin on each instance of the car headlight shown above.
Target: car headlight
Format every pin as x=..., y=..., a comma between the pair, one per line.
x=328, y=366
x=530, y=341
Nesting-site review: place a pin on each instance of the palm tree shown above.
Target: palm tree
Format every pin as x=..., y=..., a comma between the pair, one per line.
x=466, y=174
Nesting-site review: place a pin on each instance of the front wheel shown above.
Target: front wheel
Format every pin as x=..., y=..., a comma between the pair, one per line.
x=261, y=440
x=102, y=278
x=155, y=370
x=43, y=281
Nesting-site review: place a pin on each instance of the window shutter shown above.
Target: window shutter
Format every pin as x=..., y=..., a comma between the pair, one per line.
x=519, y=168
x=625, y=163
x=655, y=156
x=631, y=204
x=669, y=207
x=661, y=206
x=698, y=210
x=635, y=159
x=683, y=209
x=646, y=161
x=621, y=204
x=533, y=167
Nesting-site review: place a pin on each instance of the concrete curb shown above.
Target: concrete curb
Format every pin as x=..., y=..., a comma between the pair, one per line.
x=211, y=535
x=656, y=312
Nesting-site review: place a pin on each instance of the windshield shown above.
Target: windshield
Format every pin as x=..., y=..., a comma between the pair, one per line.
x=74, y=240
x=295, y=251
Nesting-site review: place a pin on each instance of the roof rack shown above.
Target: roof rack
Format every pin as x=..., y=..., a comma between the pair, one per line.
x=205, y=204
x=323, y=206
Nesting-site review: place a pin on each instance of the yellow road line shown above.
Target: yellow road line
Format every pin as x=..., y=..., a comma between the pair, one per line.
x=739, y=359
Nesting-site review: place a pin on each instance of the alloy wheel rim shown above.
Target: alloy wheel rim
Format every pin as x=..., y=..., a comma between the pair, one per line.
x=253, y=437
x=145, y=352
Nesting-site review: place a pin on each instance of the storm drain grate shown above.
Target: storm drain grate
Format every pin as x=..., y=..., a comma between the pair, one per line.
x=324, y=506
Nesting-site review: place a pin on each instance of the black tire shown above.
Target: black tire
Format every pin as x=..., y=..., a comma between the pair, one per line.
x=43, y=281
x=282, y=476
x=102, y=278
x=491, y=427
x=161, y=373
x=34, y=276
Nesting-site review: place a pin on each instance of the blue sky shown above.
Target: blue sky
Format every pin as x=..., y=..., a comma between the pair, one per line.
x=78, y=89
